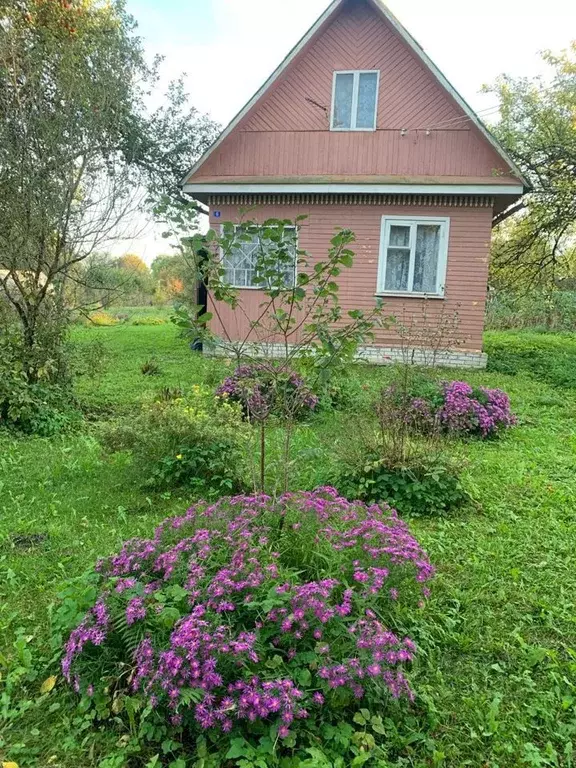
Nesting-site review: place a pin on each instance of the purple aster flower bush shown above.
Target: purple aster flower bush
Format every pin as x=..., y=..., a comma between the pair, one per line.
x=265, y=389
x=480, y=412
x=453, y=407
x=253, y=618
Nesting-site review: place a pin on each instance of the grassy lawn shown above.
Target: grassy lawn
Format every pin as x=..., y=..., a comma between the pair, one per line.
x=496, y=672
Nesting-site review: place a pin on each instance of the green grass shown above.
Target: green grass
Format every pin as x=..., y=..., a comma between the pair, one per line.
x=496, y=672
x=547, y=357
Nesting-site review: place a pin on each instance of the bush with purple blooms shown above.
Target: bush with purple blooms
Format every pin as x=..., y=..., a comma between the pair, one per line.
x=455, y=407
x=265, y=389
x=254, y=618
x=474, y=411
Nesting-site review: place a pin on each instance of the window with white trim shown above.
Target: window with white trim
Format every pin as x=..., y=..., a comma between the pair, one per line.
x=413, y=255
x=355, y=100
x=244, y=263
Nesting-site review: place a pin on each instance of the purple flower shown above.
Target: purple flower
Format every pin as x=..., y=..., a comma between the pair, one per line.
x=265, y=388
x=250, y=619
x=135, y=610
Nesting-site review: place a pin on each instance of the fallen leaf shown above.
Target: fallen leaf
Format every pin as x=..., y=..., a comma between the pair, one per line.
x=10, y=765
x=47, y=686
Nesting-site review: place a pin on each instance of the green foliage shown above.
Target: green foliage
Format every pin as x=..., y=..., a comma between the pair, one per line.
x=427, y=487
x=192, y=440
x=150, y=368
x=343, y=390
x=538, y=130
x=147, y=320
x=535, y=310
x=38, y=407
x=549, y=358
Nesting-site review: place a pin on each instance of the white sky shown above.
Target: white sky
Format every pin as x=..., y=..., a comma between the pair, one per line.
x=229, y=47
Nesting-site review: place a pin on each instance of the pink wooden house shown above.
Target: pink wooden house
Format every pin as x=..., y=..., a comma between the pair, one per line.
x=357, y=128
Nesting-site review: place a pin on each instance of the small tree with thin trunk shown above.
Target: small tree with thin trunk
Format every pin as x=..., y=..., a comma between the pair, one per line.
x=300, y=321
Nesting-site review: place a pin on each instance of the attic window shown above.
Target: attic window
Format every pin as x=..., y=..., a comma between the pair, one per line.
x=355, y=100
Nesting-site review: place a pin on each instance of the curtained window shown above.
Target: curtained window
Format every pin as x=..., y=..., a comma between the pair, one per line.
x=355, y=101
x=413, y=255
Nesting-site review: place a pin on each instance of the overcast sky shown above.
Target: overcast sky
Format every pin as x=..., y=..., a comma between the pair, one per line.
x=229, y=47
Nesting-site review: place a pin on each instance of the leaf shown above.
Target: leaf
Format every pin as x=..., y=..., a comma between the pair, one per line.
x=237, y=749
x=48, y=684
x=304, y=678
x=10, y=765
x=361, y=759
x=359, y=719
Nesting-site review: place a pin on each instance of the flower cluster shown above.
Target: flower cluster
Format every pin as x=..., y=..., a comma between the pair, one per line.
x=268, y=610
x=453, y=407
x=482, y=411
x=263, y=389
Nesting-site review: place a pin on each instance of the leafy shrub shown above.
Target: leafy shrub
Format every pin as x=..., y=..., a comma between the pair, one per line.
x=191, y=441
x=404, y=462
x=150, y=368
x=102, y=319
x=344, y=392
x=38, y=408
x=425, y=487
x=455, y=407
x=547, y=357
x=263, y=389
x=229, y=623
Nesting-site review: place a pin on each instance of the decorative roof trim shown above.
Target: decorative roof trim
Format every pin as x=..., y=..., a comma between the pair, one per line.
x=410, y=41
x=448, y=201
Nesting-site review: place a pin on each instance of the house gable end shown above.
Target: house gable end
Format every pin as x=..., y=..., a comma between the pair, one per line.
x=423, y=129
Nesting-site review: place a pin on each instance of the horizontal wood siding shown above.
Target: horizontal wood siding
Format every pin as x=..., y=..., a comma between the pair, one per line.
x=288, y=132
x=467, y=274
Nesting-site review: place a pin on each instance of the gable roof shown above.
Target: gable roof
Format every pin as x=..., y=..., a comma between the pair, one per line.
x=416, y=48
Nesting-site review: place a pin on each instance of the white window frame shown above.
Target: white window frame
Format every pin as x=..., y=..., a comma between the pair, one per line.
x=355, y=91
x=262, y=286
x=412, y=222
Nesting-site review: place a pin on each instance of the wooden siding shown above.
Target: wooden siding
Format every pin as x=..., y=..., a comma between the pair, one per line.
x=466, y=280
x=288, y=132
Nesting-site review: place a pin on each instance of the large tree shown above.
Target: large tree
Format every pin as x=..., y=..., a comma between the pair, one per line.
x=81, y=156
x=534, y=243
